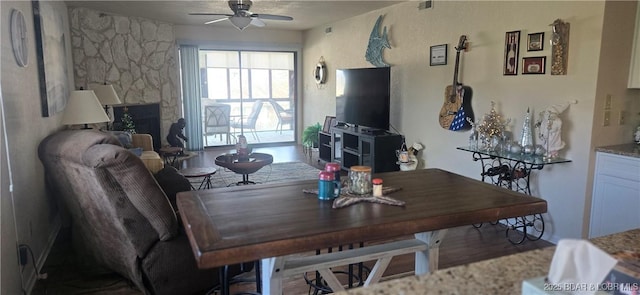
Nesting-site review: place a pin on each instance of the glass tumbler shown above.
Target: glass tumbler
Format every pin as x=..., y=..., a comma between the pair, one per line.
x=360, y=180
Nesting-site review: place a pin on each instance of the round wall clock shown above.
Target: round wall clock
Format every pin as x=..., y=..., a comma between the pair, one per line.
x=19, y=37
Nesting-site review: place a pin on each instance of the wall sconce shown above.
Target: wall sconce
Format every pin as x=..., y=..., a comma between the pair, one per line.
x=559, y=47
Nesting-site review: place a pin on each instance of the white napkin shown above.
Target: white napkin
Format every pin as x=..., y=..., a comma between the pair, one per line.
x=578, y=267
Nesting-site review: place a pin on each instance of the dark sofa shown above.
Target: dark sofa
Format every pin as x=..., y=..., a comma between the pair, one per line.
x=119, y=214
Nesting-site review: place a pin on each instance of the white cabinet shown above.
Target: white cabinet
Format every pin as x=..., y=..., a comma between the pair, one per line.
x=616, y=195
x=634, y=71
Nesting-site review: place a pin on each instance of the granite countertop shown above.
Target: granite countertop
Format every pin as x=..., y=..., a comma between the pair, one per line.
x=502, y=275
x=627, y=149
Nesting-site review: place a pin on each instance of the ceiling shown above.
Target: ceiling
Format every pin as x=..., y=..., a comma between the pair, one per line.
x=306, y=14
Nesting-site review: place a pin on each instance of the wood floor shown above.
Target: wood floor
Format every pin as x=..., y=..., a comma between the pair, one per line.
x=462, y=245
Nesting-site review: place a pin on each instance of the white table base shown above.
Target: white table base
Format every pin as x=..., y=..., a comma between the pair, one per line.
x=425, y=246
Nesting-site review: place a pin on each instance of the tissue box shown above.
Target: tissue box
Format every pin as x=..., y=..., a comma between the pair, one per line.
x=624, y=278
x=539, y=286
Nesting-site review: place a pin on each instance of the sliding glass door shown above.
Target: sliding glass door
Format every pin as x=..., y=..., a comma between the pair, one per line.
x=248, y=92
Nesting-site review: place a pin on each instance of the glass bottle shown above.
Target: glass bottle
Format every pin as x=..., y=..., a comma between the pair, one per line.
x=473, y=139
x=377, y=187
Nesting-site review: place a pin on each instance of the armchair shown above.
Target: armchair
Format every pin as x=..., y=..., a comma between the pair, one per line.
x=250, y=122
x=217, y=121
x=120, y=217
x=284, y=116
x=150, y=158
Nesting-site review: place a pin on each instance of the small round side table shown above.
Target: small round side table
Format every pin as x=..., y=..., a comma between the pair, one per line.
x=205, y=173
x=246, y=166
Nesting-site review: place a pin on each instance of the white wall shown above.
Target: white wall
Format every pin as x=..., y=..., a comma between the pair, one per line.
x=36, y=212
x=418, y=89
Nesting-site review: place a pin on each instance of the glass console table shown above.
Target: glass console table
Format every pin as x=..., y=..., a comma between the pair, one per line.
x=513, y=171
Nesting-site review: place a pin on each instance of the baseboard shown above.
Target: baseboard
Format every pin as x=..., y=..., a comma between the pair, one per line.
x=32, y=277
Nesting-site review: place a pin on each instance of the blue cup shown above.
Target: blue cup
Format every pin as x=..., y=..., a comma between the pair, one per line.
x=328, y=188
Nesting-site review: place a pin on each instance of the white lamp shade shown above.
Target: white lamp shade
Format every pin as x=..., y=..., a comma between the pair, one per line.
x=106, y=94
x=240, y=22
x=83, y=107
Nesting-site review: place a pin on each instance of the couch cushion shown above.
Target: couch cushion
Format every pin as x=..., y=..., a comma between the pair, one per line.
x=123, y=137
x=133, y=180
x=136, y=151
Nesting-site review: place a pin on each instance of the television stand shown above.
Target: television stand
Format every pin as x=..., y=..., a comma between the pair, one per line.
x=373, y=131
x=352, y=146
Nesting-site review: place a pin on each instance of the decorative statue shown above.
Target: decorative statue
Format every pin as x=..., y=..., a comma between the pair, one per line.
x=413, y=157
x=175, y=133
x=549, y=127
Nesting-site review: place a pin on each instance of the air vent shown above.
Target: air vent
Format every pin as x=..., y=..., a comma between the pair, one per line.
x=425, y=5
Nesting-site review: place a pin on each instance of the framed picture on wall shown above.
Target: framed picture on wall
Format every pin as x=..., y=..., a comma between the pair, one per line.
x=51, y=45
x=511, y=50
x=328, y=123
x=438, y=54
x=535, y=41
x=533, y=65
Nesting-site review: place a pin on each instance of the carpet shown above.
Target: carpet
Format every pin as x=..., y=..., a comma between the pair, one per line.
x=276, y=172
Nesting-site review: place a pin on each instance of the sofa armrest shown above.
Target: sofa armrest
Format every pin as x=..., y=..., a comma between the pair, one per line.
x=144, y=141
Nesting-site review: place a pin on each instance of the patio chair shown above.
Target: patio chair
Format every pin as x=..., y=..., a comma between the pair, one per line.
x=217, y=121
x=284, y=116
x=249, y=123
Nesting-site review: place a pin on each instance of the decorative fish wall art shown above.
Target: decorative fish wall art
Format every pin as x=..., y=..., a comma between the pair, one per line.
x=377, y=43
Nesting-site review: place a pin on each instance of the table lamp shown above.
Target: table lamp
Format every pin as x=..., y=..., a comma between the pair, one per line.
x=83, y=107
x=107, y=97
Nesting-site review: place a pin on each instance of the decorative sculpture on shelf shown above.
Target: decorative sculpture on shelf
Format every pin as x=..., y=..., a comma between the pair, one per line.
x=549, y=127
x=473, y=137
x=491, y=130
x=377, y=44
x=526, y=139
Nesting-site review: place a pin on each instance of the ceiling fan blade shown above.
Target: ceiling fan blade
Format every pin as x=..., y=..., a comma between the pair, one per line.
x=216, y=21
x=257, y=22
x=210, y=14
x=272, y=16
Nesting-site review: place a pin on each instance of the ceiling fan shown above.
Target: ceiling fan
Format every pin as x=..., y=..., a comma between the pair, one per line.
x=242, y=17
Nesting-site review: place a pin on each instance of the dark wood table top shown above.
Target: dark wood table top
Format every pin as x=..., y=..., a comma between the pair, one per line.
x=240, y=224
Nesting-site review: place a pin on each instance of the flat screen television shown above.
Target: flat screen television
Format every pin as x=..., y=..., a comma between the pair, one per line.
x=363, y=97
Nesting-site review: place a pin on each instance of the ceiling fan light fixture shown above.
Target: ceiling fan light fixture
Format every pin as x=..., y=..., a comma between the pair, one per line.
x=240, y=22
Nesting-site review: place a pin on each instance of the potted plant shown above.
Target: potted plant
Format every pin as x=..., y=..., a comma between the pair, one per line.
x=310, y=136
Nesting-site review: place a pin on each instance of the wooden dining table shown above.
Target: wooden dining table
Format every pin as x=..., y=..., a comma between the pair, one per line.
x=270, y=222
